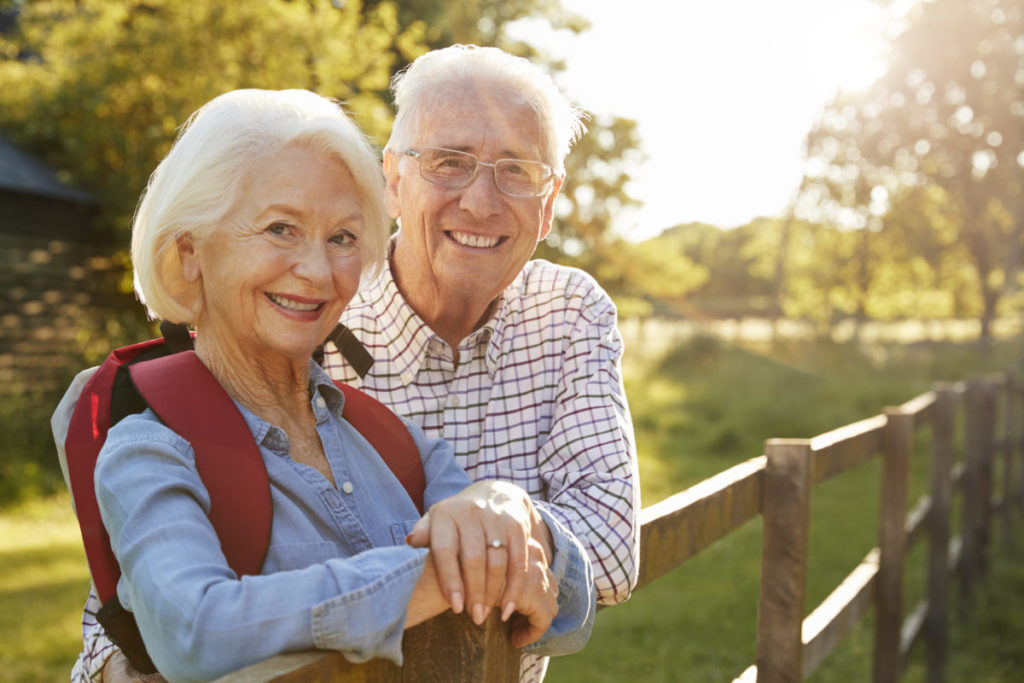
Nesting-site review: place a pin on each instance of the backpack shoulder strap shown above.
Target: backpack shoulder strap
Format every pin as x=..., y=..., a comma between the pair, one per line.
x=87, y=430
x=188, y=399
x=389, y=437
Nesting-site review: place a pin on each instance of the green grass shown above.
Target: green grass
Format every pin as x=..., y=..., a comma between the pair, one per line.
x=706, y=406
x=700, y=409
x=43, y=584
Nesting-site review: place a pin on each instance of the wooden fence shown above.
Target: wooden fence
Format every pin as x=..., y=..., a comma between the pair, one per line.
x=778, y=486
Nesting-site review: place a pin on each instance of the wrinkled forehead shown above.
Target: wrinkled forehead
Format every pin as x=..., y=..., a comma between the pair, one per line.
x=473, y=116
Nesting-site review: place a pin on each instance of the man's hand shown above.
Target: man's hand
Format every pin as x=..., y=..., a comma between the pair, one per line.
x=119, y=670
x=538, y=604
x=479, y=544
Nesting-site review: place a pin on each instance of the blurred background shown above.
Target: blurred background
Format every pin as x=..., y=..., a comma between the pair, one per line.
x=805, y=210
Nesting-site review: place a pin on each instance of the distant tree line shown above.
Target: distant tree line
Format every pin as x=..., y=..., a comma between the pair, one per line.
x=912, y=204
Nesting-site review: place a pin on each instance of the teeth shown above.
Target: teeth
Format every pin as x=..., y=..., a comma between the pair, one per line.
x=468, y=240
x=292, y=305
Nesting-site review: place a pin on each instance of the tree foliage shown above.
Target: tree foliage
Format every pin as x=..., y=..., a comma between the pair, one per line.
x=940, y=135
x=99, y=87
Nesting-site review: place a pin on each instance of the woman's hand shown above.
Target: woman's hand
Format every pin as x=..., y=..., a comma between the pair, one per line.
x=531, y=617
x=479, y=541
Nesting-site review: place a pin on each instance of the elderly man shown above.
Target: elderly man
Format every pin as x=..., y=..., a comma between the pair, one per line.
x=514, y=362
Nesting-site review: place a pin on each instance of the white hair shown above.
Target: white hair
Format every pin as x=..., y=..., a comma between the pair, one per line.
x=196, y=184
x=435, y=74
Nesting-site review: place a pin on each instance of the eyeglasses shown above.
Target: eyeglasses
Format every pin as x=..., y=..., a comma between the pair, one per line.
x=514, y=177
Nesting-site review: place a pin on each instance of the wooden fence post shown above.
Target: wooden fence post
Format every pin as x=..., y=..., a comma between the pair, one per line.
x=786, y=517
x=897, y=444
x=986, y=465
x=1017, y=422
x=1009, y=450
x=941, y=493
x=971, y=521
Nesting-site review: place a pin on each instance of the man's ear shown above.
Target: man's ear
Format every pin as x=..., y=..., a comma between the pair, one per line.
x=393, y=177
x=190, y=269
x=549, y=209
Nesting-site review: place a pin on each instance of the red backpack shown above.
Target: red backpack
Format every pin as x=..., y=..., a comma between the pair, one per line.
x=166, y=375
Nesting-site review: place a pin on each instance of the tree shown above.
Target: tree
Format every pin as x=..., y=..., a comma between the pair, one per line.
x=108, y=82
x=99, y=87
x=949, y=114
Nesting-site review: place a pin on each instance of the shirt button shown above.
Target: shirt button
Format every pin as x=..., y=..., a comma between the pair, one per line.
x=453, y=401
x=406, y=377
x=320, y=402
x=347, y=487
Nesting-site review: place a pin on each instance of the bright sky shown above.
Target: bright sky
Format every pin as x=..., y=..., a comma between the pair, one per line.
x=724, y=92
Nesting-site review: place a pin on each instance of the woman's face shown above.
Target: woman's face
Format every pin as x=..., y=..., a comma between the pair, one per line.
x=276, y=273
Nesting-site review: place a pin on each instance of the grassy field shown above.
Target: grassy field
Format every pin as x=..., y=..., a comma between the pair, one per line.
x=698, y=409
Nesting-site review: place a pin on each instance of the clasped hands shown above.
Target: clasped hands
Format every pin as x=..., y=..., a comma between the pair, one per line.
x=489, y=547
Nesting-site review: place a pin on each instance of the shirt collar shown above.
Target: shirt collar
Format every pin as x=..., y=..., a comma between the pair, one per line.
x=274, y=438
x=408, y=336
x=405, y=334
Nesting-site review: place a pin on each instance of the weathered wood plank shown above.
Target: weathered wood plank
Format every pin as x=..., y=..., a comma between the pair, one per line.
x=449, y=647
x=913, y=627
x=840, y=449
x=749, y=675
x=677, y=528
x=919, y=407
x=917, y=521
x=828, y=624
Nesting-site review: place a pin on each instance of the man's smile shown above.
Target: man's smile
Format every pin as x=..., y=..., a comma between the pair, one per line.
x=468, y=239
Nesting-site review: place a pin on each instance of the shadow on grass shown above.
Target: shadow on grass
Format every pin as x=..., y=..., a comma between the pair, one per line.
x=42, y=590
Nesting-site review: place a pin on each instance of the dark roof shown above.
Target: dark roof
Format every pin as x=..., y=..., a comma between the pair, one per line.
x=24, y=174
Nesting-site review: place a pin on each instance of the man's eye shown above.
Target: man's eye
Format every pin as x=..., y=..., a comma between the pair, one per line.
x=278, y=229
x=453, y=163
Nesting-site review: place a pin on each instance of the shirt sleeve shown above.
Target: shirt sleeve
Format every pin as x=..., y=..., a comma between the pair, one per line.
x=577, y=598
x=571, y=627
x=588, y=462
x=96, y=647
x=198, y=620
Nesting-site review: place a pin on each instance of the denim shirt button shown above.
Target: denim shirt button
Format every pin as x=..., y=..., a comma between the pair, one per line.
x=347, y=487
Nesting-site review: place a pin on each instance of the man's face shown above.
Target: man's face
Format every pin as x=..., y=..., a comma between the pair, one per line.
x=468, y=244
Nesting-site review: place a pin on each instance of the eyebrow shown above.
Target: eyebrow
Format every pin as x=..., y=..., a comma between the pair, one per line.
x=504, y=154
x=297, y=213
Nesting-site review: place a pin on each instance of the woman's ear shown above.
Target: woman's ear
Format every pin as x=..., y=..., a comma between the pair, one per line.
x=190, y=269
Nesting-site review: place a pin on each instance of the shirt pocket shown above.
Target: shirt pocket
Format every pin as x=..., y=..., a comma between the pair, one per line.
x=287, y=556
x=399, y=530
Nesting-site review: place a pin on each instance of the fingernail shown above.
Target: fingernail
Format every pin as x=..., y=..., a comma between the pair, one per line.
x=510, y=607
x=479, y=614
x=457, y=603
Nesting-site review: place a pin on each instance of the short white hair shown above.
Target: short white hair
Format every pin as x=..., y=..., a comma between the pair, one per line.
x=435, y=74
x=196, y=184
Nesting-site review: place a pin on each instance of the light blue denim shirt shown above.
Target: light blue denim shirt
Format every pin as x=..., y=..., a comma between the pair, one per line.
x=337, y=573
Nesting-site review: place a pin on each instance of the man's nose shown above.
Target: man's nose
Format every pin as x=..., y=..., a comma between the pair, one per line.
x=481, y=197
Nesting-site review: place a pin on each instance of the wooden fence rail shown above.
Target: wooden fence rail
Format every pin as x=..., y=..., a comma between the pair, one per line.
x=778, y=486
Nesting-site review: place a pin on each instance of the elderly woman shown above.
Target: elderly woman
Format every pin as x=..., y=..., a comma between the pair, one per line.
x=256, y=229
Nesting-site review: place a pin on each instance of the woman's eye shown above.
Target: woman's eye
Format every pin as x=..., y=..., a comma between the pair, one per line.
x=278, y=228
x=344, y=239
